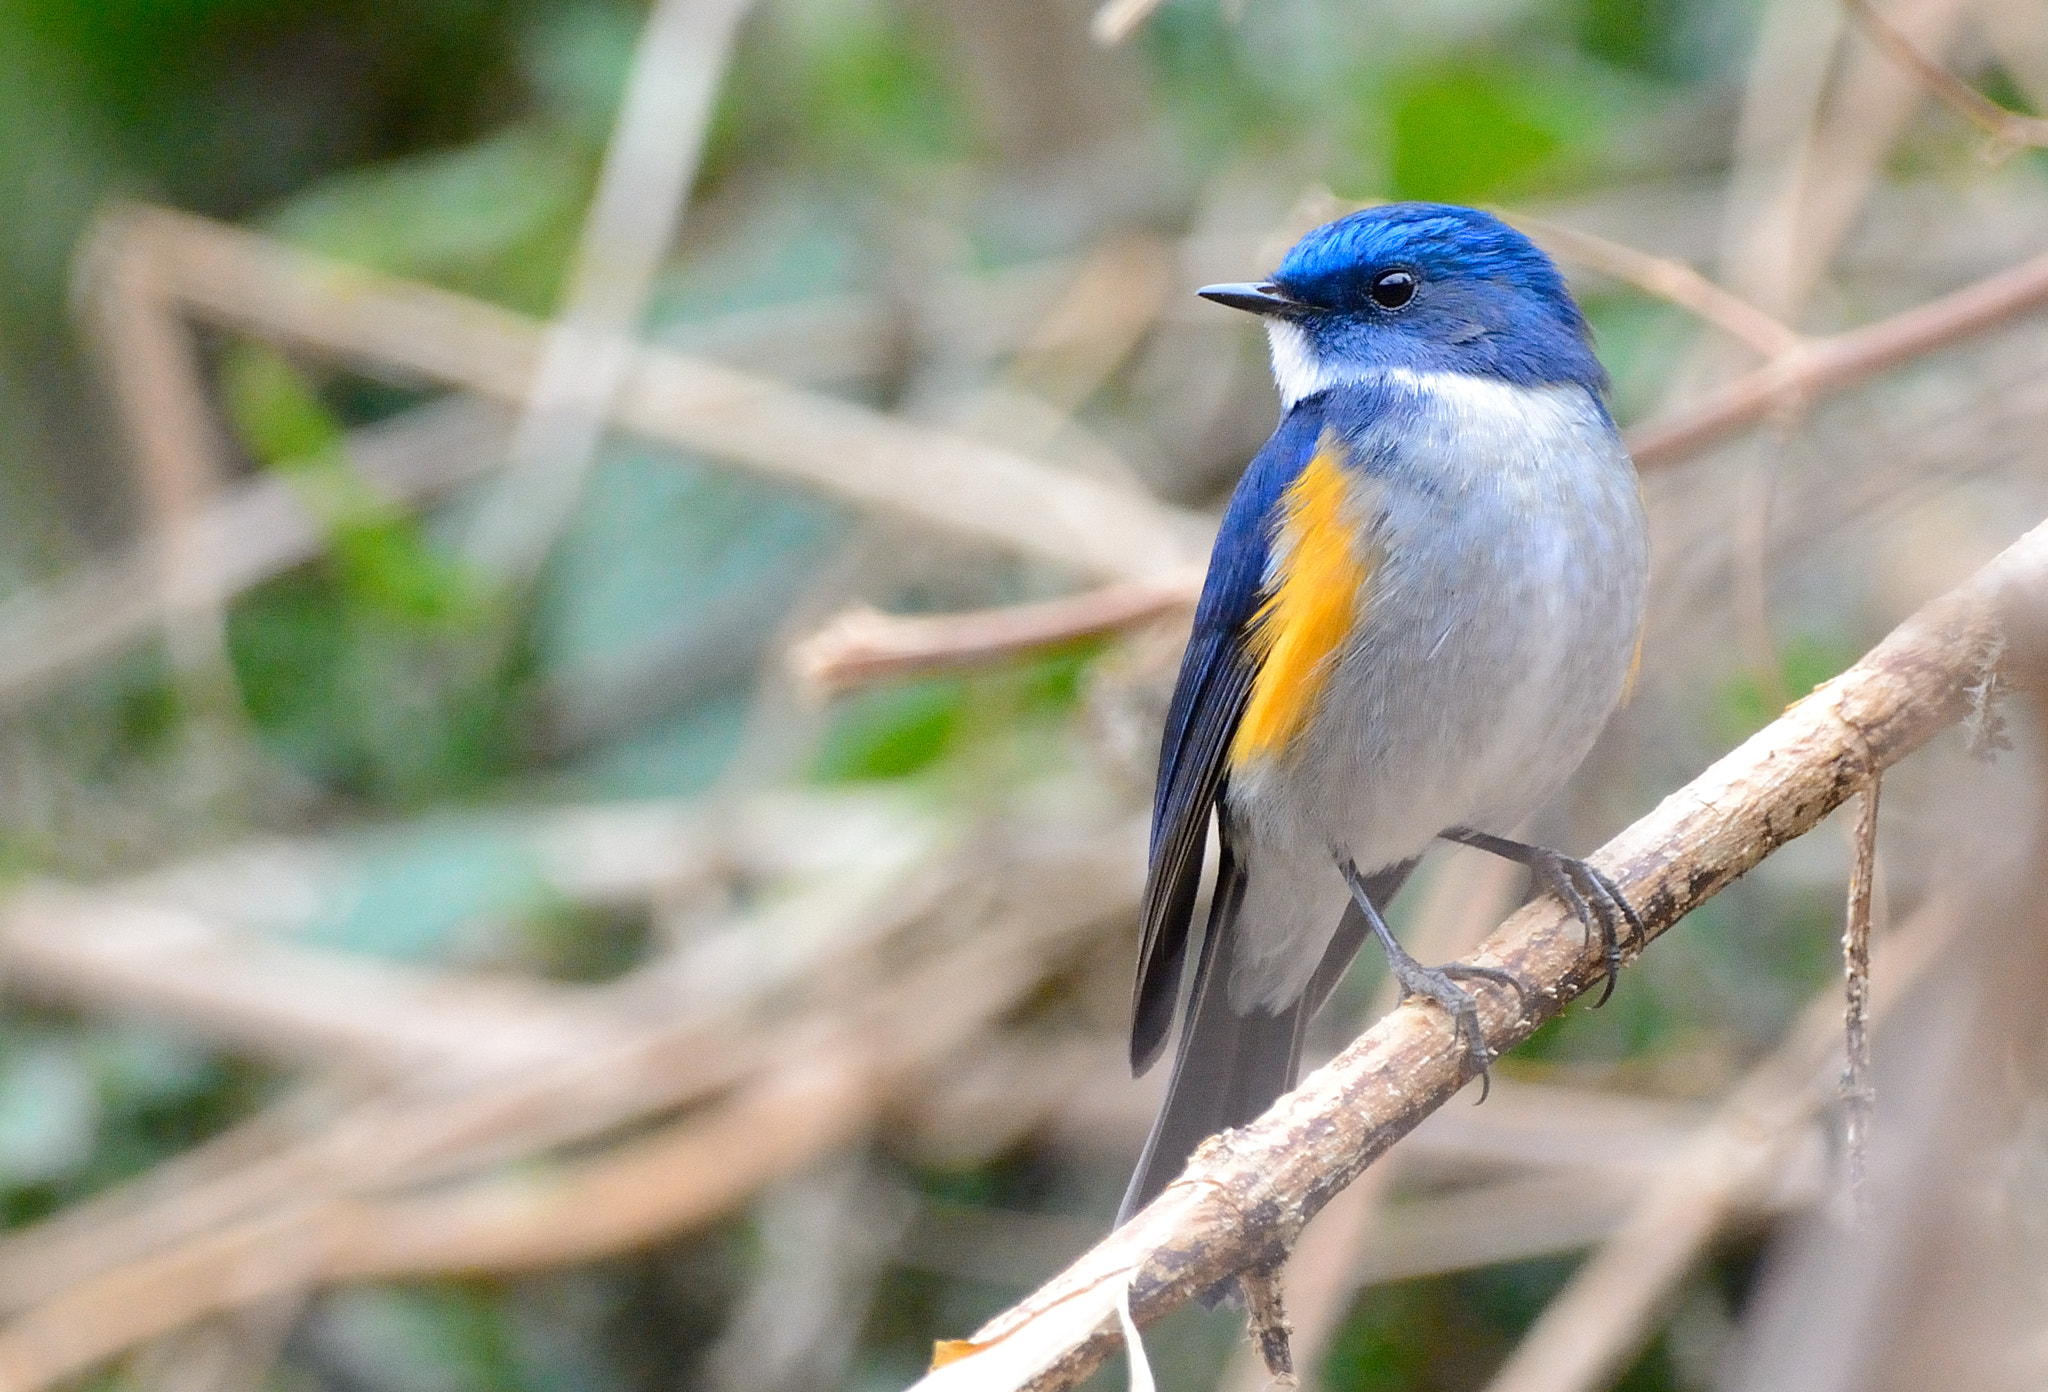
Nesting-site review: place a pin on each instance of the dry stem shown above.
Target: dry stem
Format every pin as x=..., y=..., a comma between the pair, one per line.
x=649, y=165
x=2008, y=129
x=402, y=328
x=1670, y=280
x=1601, y=1317
x=1857, y=1095
x=864, y=646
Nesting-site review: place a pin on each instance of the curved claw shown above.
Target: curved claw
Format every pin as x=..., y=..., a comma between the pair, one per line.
x=1435, y=983
x=1499, y=976
x=1559, y=873
x=1597, y=900
x=1594, y=899
x=1638, y=931
x=1476, y=1052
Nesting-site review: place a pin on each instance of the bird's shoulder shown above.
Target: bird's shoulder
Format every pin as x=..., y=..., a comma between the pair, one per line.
x=1354, y=428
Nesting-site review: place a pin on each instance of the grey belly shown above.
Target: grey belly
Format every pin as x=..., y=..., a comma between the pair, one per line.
x=1492, y=649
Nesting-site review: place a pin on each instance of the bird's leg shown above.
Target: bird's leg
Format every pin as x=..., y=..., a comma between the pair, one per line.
x=1434, y=983
x=1594, y=899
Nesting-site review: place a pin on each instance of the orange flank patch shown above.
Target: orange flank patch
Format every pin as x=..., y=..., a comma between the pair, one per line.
x=1309, y=611
x=946, y=1351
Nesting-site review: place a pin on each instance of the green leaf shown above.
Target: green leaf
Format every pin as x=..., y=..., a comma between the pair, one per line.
x=891, y=732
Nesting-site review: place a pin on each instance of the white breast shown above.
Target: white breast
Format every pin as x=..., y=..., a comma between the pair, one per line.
x=1491, y=646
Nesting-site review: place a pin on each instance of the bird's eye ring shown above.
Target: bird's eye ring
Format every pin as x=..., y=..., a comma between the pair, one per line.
x=1392, y=289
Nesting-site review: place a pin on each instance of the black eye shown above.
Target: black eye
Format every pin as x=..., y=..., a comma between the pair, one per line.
x=1392, y=289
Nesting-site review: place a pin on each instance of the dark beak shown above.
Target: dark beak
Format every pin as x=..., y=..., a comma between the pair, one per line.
x=1263, y=298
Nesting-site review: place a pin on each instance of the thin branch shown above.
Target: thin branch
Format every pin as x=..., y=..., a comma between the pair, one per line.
x=299, y=1002
x=245, y=535
x=649, y=165
x=396, y=327
x=687, y=1047
x=1669, y=280
x=1827, y=365
x=1247, y=1193
x=1092, y=328
x=154, y=366
x=862, y=645
x=2008, y=129
x=1857, y=1096
x=441, y=1176
x=1602, y=1316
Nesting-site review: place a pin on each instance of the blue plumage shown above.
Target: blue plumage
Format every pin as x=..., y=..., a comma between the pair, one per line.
x=1487, y=301
x=1215, y=680
x=1490, y=503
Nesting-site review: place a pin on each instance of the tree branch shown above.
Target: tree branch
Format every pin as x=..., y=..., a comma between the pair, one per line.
x=1247, y=1193
x=1827, y=365
x=1669, y=280
x=2007, y=128
x=863, y=646
x=260, y=286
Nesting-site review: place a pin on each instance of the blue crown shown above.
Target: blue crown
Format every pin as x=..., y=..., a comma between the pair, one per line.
x=1486, y=299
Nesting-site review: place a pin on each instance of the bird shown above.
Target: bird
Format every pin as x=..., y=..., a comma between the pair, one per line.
x=1424, y=602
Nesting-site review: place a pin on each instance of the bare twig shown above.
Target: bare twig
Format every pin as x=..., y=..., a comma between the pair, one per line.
x=1871, y=104
x=397, y=327
x=251, y=531
x=2007, y=129
x=1783, y=95
x=157, y=389
x=1667, y=279
x=1247, y=1193
x=298, y=1002
x=241, y=537
x=588, y=354
x=1266, y=1323
x=688, y=1045
x=406, y=1183
x=862, y=645
x=1593, y=1326
x=820, y=1094
x=1112, y=302
x=1857, y=1096
x=1832, y=364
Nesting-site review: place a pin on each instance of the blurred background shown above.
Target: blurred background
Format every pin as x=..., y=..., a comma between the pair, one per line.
x=449, y=943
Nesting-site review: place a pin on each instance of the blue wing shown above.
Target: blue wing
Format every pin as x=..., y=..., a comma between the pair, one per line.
x=1215, y=682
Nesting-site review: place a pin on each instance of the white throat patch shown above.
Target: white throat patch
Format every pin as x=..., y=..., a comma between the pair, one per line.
x=1296, y=370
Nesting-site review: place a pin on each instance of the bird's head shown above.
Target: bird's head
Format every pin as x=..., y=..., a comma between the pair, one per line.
x=1425, y=287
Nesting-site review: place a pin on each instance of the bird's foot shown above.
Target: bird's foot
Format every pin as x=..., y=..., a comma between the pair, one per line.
x=1594, y=899
x=1438, y=984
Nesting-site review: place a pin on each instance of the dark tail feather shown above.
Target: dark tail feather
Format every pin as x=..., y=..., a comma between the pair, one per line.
x=1231, y=1067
